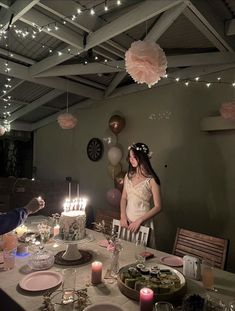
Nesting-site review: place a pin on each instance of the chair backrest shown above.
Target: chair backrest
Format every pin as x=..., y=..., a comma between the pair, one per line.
x=123, y=233
x=202, y=246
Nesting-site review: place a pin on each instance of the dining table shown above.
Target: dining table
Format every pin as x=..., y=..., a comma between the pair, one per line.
x=108, y=290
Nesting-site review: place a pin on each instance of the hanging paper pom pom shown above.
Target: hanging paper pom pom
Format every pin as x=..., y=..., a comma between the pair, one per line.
x=146, y=62
x=227, y=111
x=2, y=130
x=67, y=121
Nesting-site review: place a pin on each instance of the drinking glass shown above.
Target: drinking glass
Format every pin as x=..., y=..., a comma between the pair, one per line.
x=163, y=306
x=68, y=286
x=140, y=248
x=9, y=258
x=208, y=274
x=10, y=241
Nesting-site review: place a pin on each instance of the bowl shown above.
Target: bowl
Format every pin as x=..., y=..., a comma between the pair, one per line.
x=103, y=307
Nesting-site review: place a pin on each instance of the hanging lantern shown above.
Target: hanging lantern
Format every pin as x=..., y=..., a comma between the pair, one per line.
x=67, y=121
x=146, y=62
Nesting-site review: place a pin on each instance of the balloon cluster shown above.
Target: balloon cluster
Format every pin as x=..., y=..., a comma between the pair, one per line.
x=116, y=125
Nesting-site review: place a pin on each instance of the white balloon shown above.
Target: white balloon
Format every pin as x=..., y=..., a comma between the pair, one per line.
x=114, y=155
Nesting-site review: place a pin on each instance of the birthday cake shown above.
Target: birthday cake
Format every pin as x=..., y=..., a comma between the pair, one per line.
x=72, y=225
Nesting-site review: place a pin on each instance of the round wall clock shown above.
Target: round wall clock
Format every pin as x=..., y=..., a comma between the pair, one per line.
x=95, y=149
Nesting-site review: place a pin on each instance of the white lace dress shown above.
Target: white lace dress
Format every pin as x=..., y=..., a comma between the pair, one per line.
x=138, y=203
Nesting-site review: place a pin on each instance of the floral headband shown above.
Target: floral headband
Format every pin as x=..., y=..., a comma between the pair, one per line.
x=141, y=148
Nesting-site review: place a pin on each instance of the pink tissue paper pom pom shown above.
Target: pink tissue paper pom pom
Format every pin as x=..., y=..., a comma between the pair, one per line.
x=2, y=130
x=227, y=111
x=67, y=121
x=146, y=62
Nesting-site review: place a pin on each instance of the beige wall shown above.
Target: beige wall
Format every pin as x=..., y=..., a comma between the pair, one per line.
x=198, y=184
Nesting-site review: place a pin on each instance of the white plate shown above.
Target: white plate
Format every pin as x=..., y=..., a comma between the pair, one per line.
x=172, y=261
x=103, y=307
x=40, y=280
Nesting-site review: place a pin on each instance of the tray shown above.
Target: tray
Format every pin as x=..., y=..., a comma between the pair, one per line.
x=173, y=296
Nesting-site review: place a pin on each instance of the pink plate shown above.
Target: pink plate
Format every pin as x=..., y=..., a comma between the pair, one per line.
x=40, y=280
x=103, y=243
x=173, y=261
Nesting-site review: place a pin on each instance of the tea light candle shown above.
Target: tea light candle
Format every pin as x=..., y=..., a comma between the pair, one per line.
x=22, y=249
x=56, y=230
x=96, y=272
x=146, y=299
x=21, y=230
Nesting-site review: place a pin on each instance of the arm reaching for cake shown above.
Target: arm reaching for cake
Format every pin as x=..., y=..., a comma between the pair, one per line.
x=12, y=219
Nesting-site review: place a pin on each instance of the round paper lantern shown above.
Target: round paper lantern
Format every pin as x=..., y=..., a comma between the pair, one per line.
x=119, y=181
x=67, y=121
x=114, y=170
x=116, y=124
x=113, y=196
x=2, y=130
x=114, y=155
x=146, y=62
x=227, y=111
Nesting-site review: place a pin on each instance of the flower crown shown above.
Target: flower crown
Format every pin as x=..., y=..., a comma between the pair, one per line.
x=141, y=148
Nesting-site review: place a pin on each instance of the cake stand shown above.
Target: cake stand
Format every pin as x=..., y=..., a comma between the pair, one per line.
x=72, y=255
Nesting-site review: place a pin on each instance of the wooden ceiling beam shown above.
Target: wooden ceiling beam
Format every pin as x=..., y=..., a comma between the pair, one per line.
x=22, y=72
x=139, y=14
x=200, y=13
x=17, y=9
x=35, y=104
x=184, y=60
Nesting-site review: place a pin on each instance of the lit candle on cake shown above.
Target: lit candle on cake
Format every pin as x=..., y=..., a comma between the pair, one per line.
x=73, y=219
x=146, y=299
x=96, y=272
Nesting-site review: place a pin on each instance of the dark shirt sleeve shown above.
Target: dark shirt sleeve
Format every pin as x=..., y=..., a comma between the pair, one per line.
x=12, y=219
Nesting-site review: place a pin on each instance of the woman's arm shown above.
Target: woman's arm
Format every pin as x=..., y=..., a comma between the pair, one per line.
x=155, y=189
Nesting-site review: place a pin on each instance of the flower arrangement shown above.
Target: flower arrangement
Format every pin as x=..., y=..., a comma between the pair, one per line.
x=114, y=244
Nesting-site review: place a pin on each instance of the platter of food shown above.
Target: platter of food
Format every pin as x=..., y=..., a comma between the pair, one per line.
x=167, y=283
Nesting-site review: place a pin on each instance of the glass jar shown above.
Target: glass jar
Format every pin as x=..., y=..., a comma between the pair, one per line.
x=41, y=260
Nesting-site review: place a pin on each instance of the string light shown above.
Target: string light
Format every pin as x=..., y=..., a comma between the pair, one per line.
x=119, y=2
x=92, y=11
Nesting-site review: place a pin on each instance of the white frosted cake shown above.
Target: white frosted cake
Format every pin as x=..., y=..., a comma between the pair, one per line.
x=72, y=225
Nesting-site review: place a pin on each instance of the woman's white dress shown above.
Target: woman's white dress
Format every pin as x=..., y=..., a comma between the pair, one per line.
x=138, y=203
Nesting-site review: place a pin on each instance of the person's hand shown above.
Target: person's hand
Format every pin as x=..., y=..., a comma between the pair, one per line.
x=134, y=226
x=123, y=222
x=35, y=205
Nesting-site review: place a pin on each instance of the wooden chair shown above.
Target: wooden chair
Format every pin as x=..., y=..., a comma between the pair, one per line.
x=142, y=235
x=202, y=246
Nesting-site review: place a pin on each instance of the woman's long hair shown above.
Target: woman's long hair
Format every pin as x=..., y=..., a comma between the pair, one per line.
x=141, y=153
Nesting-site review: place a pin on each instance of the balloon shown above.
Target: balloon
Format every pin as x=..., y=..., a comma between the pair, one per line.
x=114, y=170
x=113, y=196
x=2, y=130
x=119, y=180
x=116, y=124
x=114, y=155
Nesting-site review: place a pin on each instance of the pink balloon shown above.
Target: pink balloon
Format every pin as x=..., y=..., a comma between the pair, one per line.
x=113, y=196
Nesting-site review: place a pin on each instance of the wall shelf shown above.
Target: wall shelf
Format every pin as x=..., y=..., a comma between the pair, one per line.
x=217, y=124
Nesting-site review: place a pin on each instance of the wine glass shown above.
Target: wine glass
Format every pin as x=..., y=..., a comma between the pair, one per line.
x=163, y=306
x=140, y=248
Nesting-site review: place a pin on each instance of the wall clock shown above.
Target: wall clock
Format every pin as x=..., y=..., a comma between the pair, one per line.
x=95, y=149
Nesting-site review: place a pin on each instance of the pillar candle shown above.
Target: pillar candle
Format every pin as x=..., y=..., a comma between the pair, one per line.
x=96, y=272
x=146, y=299
x=56, y=230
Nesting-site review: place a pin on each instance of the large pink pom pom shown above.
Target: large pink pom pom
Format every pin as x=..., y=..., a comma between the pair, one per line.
x=67, y=121
x=146, y=62
x=227, y=111
x=2, y=130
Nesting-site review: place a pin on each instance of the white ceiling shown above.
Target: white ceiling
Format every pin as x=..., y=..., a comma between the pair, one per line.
x=196, y=35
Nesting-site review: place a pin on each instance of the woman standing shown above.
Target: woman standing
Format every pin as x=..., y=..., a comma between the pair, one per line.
x=141, y=184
